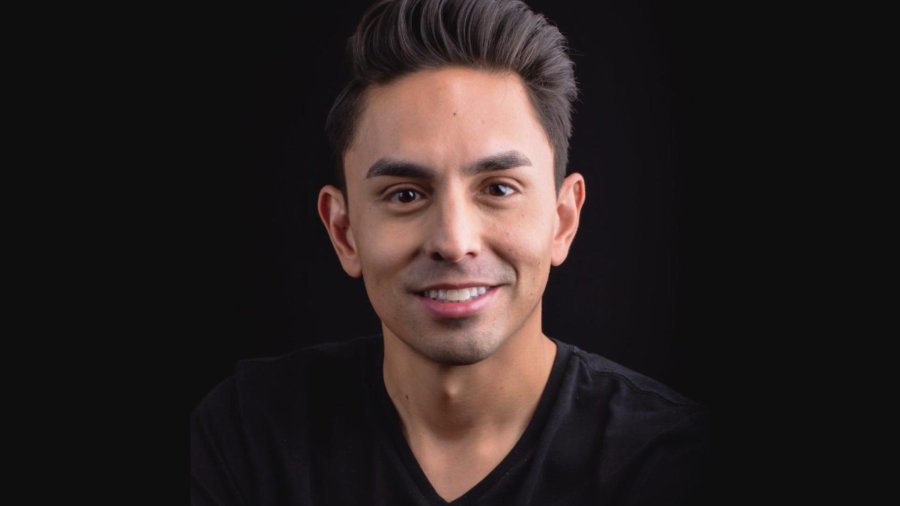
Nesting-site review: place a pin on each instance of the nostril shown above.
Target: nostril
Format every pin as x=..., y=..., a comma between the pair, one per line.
x=451, y=256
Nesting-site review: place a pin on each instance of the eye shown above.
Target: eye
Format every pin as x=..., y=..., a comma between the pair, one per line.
x=499, y=190
x=405, y=196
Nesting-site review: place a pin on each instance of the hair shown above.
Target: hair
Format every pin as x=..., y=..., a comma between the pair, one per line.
x=395, y=38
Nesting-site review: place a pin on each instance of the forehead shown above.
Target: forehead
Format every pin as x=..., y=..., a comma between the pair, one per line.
x=447, y=118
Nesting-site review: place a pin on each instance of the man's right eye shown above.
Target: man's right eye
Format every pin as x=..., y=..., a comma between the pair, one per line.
x=405, y=196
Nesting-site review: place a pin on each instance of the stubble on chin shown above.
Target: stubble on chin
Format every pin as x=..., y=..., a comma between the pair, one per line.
x=454, y=345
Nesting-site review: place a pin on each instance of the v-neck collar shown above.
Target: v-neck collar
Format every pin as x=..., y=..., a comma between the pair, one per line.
x=521, y=450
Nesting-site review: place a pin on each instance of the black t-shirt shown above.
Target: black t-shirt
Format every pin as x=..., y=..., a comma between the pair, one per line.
x=317, y=427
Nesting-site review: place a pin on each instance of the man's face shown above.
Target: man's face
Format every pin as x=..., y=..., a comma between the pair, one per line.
x=452, y=218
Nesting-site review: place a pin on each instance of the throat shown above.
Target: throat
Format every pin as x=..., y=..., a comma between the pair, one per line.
x=459, y=403
x=460, y=423
x=455, y=467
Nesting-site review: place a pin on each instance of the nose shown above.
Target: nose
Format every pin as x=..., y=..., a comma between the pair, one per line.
x=454, y=231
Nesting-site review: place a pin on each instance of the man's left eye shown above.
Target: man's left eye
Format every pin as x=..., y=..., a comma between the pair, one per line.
x=499, y=190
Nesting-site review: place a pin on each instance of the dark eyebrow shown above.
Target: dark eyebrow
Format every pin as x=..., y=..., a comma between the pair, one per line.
x=500, y=161
x=400, y=168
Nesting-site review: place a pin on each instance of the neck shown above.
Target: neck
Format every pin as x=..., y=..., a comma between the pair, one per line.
x=478, y=401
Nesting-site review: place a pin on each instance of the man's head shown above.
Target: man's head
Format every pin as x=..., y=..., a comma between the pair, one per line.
x=398, y=37
x=452, y=212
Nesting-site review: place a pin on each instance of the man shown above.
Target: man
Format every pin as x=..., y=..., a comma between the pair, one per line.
x=452, y=204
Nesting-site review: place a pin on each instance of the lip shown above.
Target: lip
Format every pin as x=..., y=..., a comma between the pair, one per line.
x=464, y=309
x=455, y=286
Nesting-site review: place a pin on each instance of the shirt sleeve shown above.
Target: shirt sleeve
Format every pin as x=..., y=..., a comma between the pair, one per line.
x=215, y=439
x=674, y=467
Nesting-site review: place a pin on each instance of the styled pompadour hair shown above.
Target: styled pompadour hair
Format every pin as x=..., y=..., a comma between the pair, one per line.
x=398, y=37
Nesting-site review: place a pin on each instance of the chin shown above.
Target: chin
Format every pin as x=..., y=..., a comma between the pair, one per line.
x=457, y=348
x=457, y=357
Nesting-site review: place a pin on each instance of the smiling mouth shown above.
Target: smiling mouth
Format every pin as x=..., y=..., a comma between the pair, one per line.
x=460, y=295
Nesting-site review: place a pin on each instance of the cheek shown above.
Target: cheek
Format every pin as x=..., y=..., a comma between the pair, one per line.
x=383, y=247
x=525, y=239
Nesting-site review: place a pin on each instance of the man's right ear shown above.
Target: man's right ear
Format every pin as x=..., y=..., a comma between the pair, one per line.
x=333, y=211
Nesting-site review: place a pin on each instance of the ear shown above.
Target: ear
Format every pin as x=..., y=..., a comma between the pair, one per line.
x=333, y=211
x=568, y=210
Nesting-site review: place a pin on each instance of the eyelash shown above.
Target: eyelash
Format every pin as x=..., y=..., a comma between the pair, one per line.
x=392, y=196
x=511, y=189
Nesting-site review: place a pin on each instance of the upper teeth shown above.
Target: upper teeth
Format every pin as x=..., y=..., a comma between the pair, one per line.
x=456, y=295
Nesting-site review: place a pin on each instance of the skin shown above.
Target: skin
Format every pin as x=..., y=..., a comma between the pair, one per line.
x=465, y=387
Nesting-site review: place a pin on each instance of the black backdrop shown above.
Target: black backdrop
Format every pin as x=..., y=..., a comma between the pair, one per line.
x=655, y=279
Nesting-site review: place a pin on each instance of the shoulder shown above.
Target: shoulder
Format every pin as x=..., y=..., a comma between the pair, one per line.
x=275, y=399
x=627, y=382
x=291, y=381
x=323, y=361
x=631, y=404
x=653, y=442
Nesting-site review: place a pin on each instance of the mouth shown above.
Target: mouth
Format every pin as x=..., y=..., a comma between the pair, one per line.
x=455, y=295
x=457, y=302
